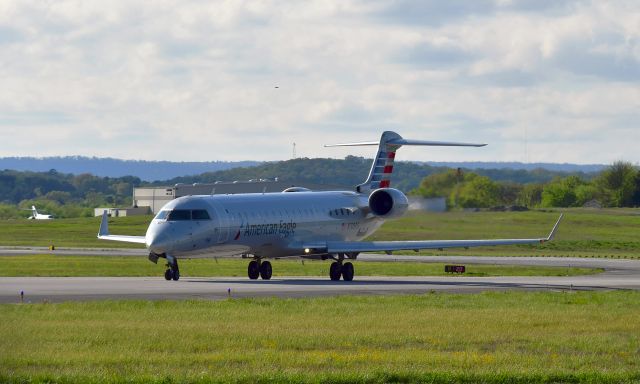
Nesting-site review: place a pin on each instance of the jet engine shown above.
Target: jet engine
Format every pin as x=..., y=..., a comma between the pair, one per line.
x=388, y=203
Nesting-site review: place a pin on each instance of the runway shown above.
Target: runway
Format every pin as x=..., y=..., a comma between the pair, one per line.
x=619, y=274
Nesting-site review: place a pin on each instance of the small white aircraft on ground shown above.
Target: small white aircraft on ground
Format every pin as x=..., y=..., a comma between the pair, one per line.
x=294, y=223
x=38, y=216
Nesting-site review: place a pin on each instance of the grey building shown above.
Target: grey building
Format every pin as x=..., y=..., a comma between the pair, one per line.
x=121, y=212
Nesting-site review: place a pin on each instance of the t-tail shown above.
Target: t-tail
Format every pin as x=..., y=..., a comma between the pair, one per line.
x=382, y=167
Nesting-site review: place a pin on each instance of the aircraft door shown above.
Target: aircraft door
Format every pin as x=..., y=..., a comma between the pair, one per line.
x=224, y=222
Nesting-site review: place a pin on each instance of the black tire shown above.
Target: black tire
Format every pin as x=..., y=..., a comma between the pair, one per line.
x=335, y=271
x=168, y=275
x=253, y=270
x=347, y=271
x=265, y=270
x=176, y=275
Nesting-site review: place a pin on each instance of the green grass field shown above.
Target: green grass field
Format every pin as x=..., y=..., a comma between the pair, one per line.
x=80, y=232
x=50, y=265
x=585, y=233
x=582, y=233
x=507, y=337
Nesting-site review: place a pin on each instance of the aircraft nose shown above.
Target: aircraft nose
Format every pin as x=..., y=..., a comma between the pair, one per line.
x=158, y=242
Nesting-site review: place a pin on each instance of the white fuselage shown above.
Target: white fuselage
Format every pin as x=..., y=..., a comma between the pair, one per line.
x=263, y=225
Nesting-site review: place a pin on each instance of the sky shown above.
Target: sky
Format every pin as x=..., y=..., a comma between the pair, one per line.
x=538, y=80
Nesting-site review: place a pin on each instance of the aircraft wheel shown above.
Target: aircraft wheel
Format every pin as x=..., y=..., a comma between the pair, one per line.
x=253, y=270
x=173, y=268
x=335, y=271
x=347, y=272
x=168, y=275
x=265, y=270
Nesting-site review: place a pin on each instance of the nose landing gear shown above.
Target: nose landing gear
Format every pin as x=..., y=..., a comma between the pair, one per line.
x=172, y=272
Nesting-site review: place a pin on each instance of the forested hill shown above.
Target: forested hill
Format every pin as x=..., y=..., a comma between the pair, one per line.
x=73, y=195
x=108, y=167
x=559, y=167
x=16, y=186
x=164, y=170
x=353, y=170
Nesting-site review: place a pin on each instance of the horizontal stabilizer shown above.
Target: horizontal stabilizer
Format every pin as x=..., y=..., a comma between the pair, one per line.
x=409, y=142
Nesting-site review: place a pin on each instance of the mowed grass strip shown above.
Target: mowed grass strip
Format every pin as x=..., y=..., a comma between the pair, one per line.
x=583, y=232
x=497, y=337
x=51, y=265
x=77, y=232
x=610, y=233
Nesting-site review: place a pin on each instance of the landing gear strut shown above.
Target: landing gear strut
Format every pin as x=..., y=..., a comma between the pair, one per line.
x=258, y=268
x=338, y=269
x=172, y=272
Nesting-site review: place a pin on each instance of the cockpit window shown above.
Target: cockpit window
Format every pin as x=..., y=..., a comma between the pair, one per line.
x=179, y=215
x=162, y=215
x=183, y=215
x=200, y=214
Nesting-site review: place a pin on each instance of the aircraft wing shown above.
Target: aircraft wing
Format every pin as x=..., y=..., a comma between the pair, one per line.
x=389, y=246
x=103, y=233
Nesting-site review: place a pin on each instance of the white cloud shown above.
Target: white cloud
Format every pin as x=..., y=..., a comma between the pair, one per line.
x=232, y=80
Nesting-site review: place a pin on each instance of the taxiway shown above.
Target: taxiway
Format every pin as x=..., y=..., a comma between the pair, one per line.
x=618, y=274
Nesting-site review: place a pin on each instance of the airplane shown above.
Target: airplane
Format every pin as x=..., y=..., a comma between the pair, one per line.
x=38, y=216
x=296, y=222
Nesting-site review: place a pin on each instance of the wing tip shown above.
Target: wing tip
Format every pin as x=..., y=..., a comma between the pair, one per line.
x=552, y=234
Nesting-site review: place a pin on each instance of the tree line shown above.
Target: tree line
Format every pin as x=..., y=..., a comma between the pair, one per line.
x=353, y=170
x=69, y=195
x=60, y=194
x=616, y=186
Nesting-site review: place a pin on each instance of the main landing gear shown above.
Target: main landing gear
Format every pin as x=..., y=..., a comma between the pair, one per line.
x=338, y=269
x=172, y=272
x=258, y=268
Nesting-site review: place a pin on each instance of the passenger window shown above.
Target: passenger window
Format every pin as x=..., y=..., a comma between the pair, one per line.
x=200, y=214
x=179, y=215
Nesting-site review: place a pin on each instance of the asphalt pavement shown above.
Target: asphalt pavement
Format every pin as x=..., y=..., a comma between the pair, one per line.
x=618, y=274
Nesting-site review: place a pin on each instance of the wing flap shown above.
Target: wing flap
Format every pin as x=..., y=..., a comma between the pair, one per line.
x=388, y=246
x=374, y=246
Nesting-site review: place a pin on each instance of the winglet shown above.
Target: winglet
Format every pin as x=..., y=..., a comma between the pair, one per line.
x=555, y=228
x=104, y=225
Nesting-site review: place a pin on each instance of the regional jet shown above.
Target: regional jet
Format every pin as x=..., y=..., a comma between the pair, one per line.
x=296, y=222
x=38, y=216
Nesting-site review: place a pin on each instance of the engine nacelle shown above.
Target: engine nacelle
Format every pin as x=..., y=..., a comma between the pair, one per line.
x=388, y=203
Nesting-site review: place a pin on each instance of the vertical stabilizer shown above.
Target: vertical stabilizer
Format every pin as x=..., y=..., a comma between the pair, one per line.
x=382, y=167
